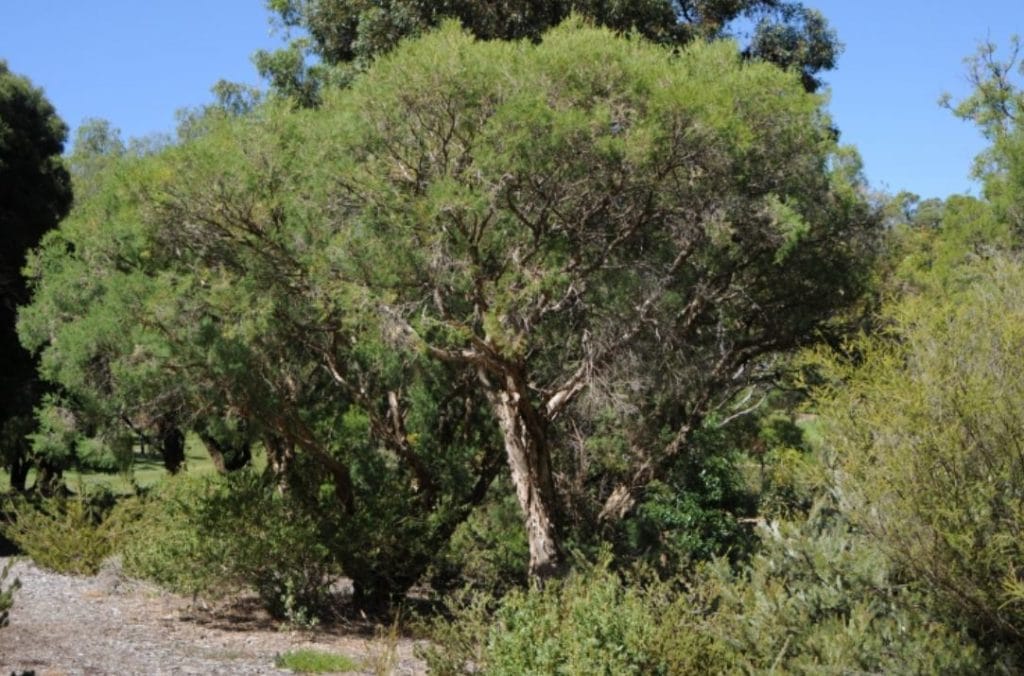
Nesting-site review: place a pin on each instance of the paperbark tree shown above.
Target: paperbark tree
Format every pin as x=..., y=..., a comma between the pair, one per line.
x=562, y=256
x=613, y=238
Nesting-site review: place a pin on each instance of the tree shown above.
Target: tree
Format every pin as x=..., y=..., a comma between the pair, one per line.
x=35, y=193
x=565, y=256
x=344, y=36
x=996, y=106
x=612, y=250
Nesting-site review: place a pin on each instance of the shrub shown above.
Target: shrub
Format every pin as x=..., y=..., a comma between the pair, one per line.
x=7, y=593
x=219, y=535
x=591, y=623
x=66, y=534
x=488, y=552
x=819, y=598
x=928, y=427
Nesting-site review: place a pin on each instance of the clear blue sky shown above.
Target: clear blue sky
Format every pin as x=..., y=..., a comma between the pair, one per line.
x=135, y=62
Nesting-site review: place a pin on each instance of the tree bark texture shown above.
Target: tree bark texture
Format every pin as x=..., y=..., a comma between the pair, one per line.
x=530, y=463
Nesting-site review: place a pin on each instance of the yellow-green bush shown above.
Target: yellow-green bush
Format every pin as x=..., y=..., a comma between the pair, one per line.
x=72, y=534
x=928, y=431
x=219, y=535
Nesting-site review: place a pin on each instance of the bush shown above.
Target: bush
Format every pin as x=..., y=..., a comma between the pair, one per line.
x=591, y=623
x=928, y=427
x=219, y=535
x=488, y=552
x=7, y=593
x=66, y=534
x=819, y=598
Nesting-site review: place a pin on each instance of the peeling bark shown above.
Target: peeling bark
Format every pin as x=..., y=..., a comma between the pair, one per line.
x=530, y=463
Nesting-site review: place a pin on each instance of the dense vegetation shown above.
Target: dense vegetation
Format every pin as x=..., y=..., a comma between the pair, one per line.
x=603, y=337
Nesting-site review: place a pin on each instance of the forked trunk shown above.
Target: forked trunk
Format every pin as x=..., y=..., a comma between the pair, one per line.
x=530, y=465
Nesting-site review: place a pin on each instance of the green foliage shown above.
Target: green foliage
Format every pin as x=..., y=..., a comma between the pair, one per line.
x=309, y=661
x=198, y=535
x=35, y=193
x=65, y=534
x=7, y=593
x=488, y=552
x=690, y=518
x=996, y=106
x=928, y=431
x=819, y=598
x=345, y=36
x=163, y=544
x=591, y=623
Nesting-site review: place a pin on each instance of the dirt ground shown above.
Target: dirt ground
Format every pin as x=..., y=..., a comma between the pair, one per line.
x=107, y=624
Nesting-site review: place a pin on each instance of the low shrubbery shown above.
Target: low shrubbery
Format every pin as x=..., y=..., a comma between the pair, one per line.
x=67, y=534
x=590, y=623
x=7, y=593
x=817, y=598
x=927, y=425
x=216, y=536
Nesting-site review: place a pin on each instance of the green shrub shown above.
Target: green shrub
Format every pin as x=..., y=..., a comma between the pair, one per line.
x=70, y=534
x=928, y=429
x=819, y=598
x=308, y=661
x=219, y=535
x=488, y=552
x=7, y=593
x=163, y=544
x=590, y=623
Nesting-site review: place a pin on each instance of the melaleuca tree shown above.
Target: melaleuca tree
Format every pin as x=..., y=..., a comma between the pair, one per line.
x=613, y=238
x=565, y=256
x=344, y=36
x=35, y=192
x=167, y=294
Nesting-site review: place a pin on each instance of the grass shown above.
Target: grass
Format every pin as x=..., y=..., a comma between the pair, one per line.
x=147, y=470
x=309, y=661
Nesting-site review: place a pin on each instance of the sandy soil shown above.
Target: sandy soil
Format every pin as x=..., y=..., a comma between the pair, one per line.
x=107, y=624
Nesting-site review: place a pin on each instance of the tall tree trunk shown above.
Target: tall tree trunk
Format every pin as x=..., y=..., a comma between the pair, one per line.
x=529, y=460
x=280, y=454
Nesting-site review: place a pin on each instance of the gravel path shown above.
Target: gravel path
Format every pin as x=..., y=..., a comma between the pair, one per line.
x=106, y=624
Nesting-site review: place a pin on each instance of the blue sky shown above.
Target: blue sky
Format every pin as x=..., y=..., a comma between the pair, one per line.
x=136, y=62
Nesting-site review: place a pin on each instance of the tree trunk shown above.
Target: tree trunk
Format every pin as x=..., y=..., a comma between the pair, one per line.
x=280, y=454
x=530, y=463
x=172, y=447
x=19, y=472
x=227, y=458
x=49, y=479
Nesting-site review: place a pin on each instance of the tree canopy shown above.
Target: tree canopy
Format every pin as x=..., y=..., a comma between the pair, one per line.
x=566, y=256
x=35, y=193
x=344, y=36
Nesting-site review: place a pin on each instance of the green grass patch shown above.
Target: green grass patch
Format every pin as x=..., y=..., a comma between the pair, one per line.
x=147, y=470
x=308, y=661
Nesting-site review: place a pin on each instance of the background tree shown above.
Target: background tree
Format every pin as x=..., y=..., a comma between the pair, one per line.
x=996, y=106
x=344, y=36
x=35, y=193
